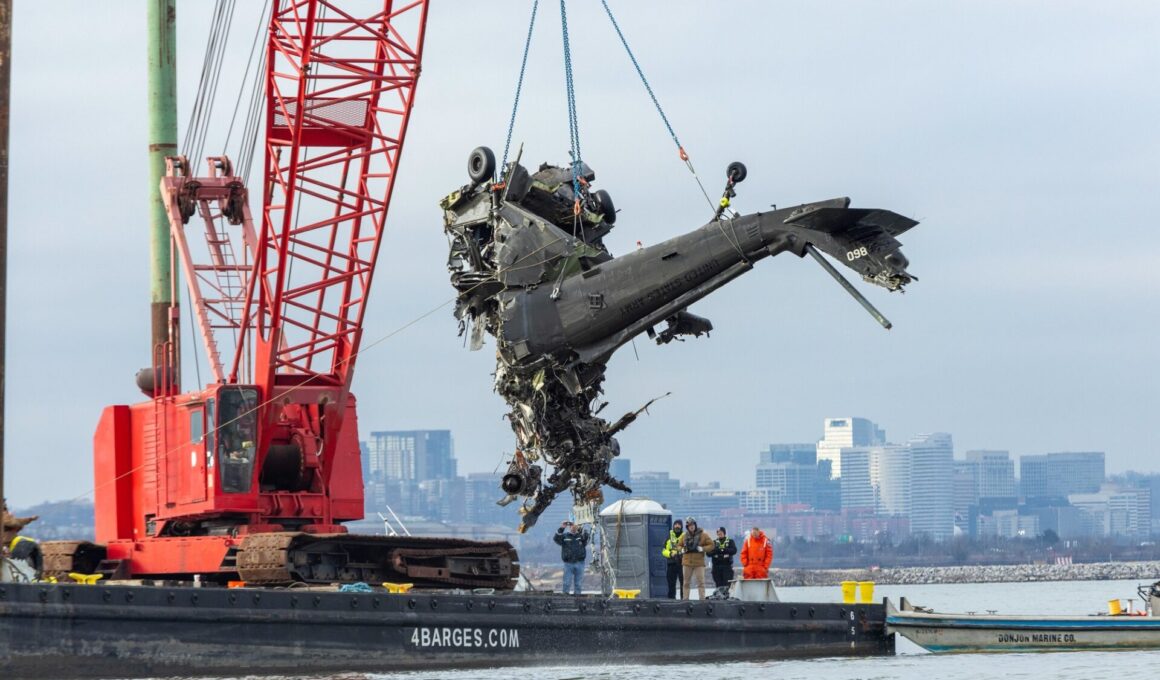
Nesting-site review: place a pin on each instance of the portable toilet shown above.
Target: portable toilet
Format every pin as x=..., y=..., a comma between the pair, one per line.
x=634, y=534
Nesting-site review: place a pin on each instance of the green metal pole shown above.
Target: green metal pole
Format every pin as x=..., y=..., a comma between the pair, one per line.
x=163, y=293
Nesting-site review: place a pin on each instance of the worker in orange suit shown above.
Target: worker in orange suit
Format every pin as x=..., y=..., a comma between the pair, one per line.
x=756, y=555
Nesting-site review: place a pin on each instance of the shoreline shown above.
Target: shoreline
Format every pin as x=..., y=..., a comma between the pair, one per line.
x=999, y=573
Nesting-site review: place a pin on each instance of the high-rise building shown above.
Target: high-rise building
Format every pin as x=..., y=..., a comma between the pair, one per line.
x=480, y=493
x=827, y=490
x=364, y=455
x=657, y=486
x=619, y=468
x=708, y=503
x=1054, y=476
x=858, y=492
x=413, y=455
x=965, y=485
x=802, y=454
x=790, y=482
x=994, y=474
x=914, y=480
x=842, y=433
x=931, y=474
x=978, y=480
x=892, y=475
x=443, y=499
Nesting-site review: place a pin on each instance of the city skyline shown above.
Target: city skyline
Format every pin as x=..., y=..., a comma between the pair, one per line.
x=761, y=448
x=761, y=457
x=915, y=488
x=1027, y=330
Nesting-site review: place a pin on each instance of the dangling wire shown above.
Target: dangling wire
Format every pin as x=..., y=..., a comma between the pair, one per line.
x=672, y=133
x=519, y=87
x=573, y=125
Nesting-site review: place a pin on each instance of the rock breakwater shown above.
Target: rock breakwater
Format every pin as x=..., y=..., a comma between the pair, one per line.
x=1000, y=573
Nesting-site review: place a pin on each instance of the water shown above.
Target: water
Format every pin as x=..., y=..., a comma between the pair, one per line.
x=912, y=662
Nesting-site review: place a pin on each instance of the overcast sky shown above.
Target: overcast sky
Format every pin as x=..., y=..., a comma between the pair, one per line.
x=1023, y=135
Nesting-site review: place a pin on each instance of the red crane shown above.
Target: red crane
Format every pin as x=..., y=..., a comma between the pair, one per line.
x=252, y=475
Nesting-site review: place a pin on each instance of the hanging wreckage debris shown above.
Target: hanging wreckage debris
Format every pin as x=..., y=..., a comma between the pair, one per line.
x=528, y=261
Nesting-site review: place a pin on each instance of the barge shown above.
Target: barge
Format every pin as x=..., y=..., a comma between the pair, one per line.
x=73, y=630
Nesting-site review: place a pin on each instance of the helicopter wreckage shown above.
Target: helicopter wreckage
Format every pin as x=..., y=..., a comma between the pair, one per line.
x=529, y=264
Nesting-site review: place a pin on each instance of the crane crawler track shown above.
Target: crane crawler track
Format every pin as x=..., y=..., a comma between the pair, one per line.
x=286, y=557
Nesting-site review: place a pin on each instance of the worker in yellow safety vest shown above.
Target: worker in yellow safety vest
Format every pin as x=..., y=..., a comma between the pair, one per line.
x=26, y=550
x=672, y=552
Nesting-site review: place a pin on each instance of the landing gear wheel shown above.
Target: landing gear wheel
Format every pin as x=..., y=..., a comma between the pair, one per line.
x=480, y=164
x=736, y=172
x=607, y=209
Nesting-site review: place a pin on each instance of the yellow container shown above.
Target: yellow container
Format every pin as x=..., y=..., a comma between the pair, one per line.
x=849, y=589
x=865, y=592
x=626, y=593
x=1115, y=608
x=398, y=588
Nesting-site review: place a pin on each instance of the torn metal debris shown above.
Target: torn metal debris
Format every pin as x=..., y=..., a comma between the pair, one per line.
x=528, y=260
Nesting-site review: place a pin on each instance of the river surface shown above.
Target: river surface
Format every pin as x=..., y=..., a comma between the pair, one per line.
x=911, y=663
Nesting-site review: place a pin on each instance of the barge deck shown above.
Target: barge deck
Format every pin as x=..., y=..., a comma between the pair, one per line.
x=57, y=630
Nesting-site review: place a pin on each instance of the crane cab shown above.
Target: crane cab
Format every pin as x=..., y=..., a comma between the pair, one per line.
x=162, y=465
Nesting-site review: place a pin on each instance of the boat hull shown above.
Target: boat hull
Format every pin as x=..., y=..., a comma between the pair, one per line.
x=127, y=631
x=992, y=633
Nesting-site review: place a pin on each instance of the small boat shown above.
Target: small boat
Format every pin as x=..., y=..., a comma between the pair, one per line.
x=1120, y=628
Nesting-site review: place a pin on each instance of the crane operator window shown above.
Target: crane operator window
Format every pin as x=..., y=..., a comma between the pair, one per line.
x=237, y=437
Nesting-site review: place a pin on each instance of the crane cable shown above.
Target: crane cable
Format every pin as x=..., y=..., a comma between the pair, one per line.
x=573, y=123
x=246, y=82
x=640, y=72
x=202, y=111
x=211, y=67
x=519, y=87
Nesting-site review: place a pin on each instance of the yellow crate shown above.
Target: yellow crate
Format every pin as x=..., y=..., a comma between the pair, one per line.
x=398, y=587
x=626, y=593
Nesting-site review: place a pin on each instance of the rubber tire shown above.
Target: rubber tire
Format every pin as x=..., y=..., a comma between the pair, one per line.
x=607, y=209
x=481, y=164
x=736, y=172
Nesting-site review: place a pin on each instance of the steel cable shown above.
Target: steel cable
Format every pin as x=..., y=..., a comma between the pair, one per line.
x=519, y=87
x=573, y=123
x=672, y=133
x=262, y=22
x=201, y=114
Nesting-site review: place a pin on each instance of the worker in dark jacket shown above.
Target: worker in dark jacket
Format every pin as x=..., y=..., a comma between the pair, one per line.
x=573, y=542
x=672, y=553
x=722, y=555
